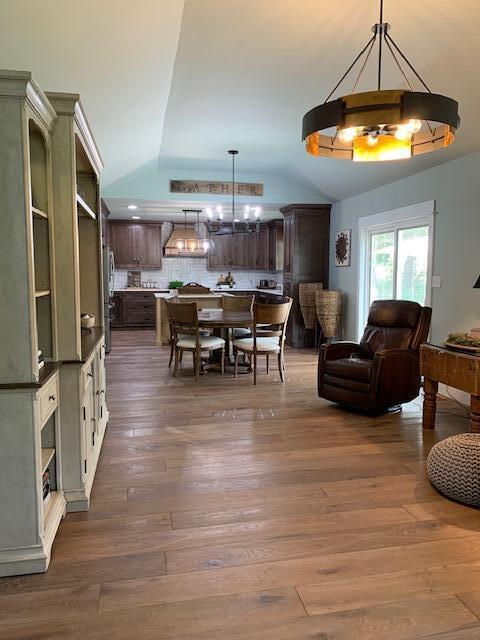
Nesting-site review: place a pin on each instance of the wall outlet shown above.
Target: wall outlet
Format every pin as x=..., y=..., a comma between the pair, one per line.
x=436, y=282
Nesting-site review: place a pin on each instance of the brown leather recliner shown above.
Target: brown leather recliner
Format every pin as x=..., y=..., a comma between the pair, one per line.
x=383, y=370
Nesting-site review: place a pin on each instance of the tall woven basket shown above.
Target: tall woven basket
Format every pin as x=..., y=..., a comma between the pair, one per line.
x=306, y=298
x=329, y=310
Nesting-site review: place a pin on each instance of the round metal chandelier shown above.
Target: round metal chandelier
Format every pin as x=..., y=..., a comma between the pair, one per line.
x=251, y=215
x=386, y=124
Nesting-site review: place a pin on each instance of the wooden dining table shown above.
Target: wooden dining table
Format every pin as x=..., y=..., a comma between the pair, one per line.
x=221, y=321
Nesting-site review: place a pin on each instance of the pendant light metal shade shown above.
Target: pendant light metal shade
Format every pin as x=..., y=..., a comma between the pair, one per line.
x=385, y=124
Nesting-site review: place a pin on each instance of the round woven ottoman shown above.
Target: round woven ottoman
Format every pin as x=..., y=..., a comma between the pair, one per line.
x=453, y=467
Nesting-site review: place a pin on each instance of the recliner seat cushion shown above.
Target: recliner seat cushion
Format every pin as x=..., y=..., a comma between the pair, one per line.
x=350, y=368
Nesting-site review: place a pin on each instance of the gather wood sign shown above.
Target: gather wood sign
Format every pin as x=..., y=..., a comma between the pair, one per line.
x=215, y=187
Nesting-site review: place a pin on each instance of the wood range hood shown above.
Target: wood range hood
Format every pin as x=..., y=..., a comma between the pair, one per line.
x=185, y=241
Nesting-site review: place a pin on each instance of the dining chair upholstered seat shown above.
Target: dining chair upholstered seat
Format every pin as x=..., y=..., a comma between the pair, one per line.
x=272, y=345
x=206, y=342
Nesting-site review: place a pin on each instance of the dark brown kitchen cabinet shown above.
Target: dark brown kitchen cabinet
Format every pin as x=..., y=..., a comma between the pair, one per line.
x=260, y=249
x=149, y=246
x=136, y=246
x=275, y=245
x=245, y=250
x=287, y=245
x=306, y=257
x=221, y=256
x=117, y=312
x=133, y=309
x=123, y=244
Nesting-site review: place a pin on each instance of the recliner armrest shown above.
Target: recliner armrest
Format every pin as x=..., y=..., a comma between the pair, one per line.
x=337, y=350
x=333, y=351
x=396, y=376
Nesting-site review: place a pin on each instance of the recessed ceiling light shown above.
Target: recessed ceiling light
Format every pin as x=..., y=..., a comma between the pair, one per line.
x=135, y=217
x=132, y=207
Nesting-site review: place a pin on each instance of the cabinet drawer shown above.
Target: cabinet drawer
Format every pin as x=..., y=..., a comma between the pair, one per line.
x=141, y=316
x=136, y=299
x=141, y=306
x=48, y=397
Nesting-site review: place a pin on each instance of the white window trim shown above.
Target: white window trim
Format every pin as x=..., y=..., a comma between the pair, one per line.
x=421, y=214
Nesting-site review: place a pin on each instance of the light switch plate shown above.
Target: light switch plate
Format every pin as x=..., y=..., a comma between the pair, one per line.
x=436, y=282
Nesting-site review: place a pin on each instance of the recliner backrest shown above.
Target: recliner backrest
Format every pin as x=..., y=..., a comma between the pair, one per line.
x=395, y=324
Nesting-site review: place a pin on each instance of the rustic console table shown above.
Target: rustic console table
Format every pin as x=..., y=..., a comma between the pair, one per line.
x=454, y=369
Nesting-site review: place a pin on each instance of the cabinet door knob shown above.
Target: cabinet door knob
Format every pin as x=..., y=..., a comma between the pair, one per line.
x=90, y=374
x=51, y=398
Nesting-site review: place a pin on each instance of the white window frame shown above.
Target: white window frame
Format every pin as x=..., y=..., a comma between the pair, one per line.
x=416, y=215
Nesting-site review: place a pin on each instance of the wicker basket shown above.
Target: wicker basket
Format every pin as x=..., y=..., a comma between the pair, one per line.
x=329, y=308
x=306, y=297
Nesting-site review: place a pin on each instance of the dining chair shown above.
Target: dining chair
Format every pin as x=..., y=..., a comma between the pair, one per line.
x=231, y=304
x=183, y=318
x=271, y=341
x=203, y=332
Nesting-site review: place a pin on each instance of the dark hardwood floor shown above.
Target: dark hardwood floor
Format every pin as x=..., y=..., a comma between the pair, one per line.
x=224, y=511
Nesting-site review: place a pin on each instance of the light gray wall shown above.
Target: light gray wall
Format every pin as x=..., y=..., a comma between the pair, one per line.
x=455, y=187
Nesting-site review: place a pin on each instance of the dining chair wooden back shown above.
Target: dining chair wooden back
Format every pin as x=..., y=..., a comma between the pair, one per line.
x=183, y=317
x=273, y=320
x=238, y=303
x=193, y=288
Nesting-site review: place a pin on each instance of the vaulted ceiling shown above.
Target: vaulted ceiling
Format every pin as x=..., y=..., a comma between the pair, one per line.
x=170, y=85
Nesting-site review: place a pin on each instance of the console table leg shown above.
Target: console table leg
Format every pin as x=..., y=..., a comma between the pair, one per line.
x=475, y=414
x=430, y=388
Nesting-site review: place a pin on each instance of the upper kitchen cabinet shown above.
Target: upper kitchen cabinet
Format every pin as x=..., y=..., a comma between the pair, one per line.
x=250, y=251
x=149, y=245
x=136, y=246
x=123, y=244
x=261, y=259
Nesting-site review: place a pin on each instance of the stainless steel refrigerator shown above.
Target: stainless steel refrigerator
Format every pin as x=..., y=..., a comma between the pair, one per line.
x=108, y=292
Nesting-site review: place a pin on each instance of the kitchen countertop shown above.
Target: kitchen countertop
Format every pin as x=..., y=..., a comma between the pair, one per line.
x=166, y=296
x=277, y=291
x=148, y=289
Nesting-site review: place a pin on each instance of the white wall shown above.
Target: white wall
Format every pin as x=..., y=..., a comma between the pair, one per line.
x=455, y=186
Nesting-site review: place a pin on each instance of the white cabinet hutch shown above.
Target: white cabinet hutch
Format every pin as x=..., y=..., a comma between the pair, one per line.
x=52, y=416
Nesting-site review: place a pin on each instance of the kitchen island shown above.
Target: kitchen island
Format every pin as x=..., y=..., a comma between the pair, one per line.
x=204, y=301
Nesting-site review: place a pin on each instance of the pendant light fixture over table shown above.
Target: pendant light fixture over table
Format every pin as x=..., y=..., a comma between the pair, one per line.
x=189, y=241
x=386, y=124
x=248, y=223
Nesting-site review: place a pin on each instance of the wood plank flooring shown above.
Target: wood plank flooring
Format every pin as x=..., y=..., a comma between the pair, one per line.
x=224, y=511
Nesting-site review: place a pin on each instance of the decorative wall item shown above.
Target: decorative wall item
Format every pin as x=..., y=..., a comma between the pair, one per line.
x=342, y=248
x=215, y=187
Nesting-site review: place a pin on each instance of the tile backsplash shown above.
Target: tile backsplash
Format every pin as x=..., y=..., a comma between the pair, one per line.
x=195, y=270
